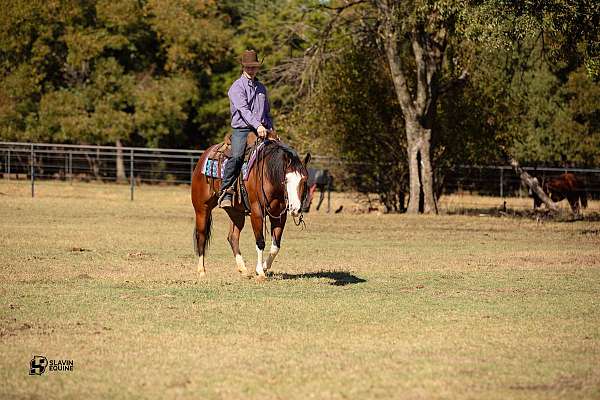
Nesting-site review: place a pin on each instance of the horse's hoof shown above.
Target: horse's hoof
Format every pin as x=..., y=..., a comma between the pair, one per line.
x=201, y=275
x=247, y=275
x=261, y=278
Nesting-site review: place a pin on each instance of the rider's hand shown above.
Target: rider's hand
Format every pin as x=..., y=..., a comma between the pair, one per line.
x=262, y=131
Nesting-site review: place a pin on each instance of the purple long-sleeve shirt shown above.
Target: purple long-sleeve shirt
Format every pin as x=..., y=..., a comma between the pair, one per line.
x=249, y=104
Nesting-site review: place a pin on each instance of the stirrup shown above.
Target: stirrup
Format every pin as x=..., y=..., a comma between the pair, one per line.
x=223, y=201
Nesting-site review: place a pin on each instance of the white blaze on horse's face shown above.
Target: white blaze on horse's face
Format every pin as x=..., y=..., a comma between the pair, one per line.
x=292, y=184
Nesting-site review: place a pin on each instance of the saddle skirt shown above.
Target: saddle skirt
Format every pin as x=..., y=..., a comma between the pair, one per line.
x=219, y=155
x=214, y=164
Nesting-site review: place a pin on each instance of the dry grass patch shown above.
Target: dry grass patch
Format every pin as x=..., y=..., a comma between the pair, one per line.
x=359, y=306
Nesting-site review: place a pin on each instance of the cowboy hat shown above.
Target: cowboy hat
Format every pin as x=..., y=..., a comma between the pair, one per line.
x=250, y=59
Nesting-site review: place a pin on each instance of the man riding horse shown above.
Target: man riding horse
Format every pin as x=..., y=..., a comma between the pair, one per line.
x=250, y=113
x=274, y=182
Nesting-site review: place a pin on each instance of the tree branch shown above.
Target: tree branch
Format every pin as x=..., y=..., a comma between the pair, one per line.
x=532, y=183
x=428, y=49
x=423, y=93
x=392, y=54
x=315, y=55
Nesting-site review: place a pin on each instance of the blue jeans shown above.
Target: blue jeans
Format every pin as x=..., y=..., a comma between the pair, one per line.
x=234, y=165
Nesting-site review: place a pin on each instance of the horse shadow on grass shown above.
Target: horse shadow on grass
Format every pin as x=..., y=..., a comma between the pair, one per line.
x=338, y=278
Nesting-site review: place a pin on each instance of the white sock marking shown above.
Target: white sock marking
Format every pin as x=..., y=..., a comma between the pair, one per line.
x=239, y=260
x=259, y=262
x=271, y=257
x=201, y=269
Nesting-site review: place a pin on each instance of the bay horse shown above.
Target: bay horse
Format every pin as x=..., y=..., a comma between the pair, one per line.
x=565, y=186
x=276, y=185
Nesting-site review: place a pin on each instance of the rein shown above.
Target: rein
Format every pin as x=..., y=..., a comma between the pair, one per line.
x=300, y=221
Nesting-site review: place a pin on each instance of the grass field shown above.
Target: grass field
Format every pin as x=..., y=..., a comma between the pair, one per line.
x=360, y=306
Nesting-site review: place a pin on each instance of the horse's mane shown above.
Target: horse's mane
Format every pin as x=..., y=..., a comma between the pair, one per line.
x=278, y=159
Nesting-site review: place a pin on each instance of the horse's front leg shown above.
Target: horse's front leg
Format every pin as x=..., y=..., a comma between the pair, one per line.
x=257, y=220
x=277, y=225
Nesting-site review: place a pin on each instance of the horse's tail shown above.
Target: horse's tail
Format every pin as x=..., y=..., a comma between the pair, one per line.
x=208, y=230
x=207, y=233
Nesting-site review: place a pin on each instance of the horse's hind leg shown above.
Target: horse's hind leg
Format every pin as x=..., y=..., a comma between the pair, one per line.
x=202, y=236
x=277, y=225
x=321, y=196
x=235, y=229
x=574, y=203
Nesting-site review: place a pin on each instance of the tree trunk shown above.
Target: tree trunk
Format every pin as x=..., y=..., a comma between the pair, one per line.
x=429, y=201
x=418, y=105
x=532, y=184
x=414, y=181
x=121, y=177
x=422, y=198
x=94, y=163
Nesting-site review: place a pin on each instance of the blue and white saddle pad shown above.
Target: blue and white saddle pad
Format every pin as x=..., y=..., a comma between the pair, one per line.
x=211, y=168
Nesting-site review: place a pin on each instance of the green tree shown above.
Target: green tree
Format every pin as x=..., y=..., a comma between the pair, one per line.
x=103, y=72
x=532, y=75
x=430, y=48
x=351, y=114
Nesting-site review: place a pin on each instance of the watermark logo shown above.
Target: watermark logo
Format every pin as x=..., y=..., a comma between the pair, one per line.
x=40, y=364
x=37, y=365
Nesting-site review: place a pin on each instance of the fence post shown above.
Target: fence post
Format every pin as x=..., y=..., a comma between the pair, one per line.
x=502, y=182
x=131, y=173
x=329, y=179
x=71, y=166
x=32, y=162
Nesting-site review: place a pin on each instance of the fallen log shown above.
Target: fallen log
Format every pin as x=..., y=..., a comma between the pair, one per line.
x=533, y=184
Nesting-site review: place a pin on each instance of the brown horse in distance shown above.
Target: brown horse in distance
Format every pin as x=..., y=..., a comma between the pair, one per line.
x=566, y=186
x=276, y=185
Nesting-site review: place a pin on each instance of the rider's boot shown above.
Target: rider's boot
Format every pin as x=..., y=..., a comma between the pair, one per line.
x=226, y=198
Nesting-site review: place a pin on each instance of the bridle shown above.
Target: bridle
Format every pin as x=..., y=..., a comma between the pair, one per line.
x=264, y=204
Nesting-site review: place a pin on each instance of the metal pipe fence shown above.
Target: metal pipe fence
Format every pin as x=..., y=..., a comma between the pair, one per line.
x=42, y=161
x=36, y=161
x=502, y=181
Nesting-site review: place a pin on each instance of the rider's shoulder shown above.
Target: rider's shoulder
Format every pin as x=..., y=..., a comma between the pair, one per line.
x=236, y=85
x=239, y=81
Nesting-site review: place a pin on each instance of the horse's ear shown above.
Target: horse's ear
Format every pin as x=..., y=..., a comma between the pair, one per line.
x=307, y=159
